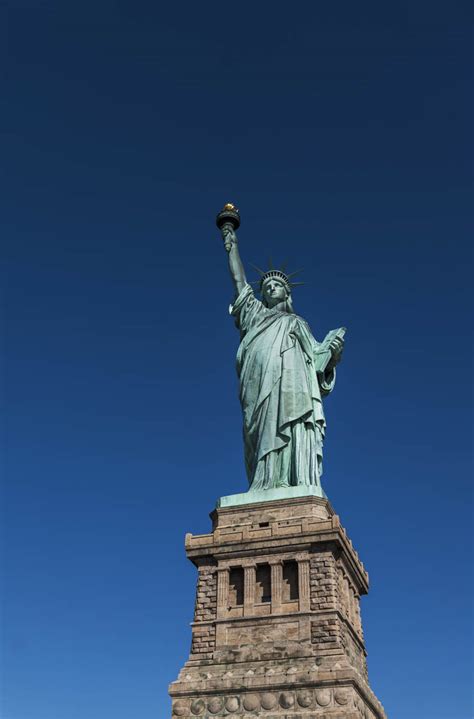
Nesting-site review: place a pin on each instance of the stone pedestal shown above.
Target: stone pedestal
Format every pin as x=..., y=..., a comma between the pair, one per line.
x=277, y=630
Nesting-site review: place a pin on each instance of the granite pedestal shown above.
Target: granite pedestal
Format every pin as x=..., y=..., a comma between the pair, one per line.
x=277, y=630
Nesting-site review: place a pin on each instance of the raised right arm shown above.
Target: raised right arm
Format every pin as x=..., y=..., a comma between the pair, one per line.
x=236, y=267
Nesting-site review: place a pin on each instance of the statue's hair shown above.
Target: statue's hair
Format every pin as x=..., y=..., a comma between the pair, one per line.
x=289, y=304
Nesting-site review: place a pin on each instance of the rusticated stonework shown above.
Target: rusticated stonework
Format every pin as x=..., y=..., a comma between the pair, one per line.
x=277, y=631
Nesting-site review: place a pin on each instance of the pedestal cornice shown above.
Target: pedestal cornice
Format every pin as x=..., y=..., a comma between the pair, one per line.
x=238, y=532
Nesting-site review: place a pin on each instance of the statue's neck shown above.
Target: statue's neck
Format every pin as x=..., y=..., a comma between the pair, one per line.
x=280, y=307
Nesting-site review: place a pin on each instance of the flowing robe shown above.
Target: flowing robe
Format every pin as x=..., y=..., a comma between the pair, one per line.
x=280, y=394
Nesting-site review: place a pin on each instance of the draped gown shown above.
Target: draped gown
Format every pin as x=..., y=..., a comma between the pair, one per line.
x=280, y=394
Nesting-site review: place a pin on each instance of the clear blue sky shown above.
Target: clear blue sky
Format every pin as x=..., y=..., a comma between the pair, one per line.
x=343, y=133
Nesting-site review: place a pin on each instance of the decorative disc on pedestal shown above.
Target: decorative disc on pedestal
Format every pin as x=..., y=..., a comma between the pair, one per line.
x=269, y=701
x=305, y=698
x=251, y=702
x=232, y=704
x=287, y=700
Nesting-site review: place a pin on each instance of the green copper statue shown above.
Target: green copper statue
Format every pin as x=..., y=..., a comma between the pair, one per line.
x=284, y=373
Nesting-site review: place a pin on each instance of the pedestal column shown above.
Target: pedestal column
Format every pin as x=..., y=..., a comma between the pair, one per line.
x=249, y=589
x=222, y=591
x=303, y=584
x=277, y=585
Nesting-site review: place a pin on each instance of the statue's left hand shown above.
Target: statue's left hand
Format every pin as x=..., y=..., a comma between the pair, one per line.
x=336, y=347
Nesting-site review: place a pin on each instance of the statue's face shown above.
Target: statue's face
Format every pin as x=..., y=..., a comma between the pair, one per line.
x=274, y=292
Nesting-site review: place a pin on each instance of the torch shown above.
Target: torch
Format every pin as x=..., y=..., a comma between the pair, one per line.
x=229, y=216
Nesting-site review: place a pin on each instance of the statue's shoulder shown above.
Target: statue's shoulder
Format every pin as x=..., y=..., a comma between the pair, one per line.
x=247, y=309
x=302, y=321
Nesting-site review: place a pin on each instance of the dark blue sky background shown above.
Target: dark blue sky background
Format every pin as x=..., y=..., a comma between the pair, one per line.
x=342, y=131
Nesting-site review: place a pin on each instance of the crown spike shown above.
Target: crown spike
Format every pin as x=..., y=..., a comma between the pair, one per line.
x=260, y=272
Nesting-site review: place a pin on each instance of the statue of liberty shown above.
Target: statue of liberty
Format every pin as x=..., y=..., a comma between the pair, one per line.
x=283, y=372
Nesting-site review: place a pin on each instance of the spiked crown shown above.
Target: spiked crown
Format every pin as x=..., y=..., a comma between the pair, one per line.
x=278, y=275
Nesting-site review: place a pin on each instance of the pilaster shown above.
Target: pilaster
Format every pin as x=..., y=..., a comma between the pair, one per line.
x=249, y=589
x=304, y=584
x=277, y=584
x=222, y=591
